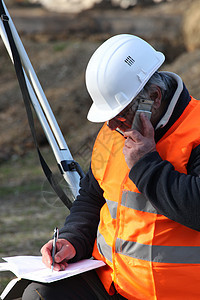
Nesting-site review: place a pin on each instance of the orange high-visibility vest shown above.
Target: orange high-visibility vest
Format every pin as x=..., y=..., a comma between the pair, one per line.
x=148, y=256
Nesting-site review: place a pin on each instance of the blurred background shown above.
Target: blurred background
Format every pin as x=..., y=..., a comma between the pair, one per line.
x=59, y=37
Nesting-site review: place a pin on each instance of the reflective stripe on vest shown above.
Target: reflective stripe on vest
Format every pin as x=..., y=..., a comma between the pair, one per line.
x=103, y=247
x=153, y=253
x=131, y=200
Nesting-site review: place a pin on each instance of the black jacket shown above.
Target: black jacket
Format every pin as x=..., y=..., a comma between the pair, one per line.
x=173, y=194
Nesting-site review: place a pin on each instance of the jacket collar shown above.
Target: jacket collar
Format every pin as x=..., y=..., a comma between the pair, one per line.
x=178, y=103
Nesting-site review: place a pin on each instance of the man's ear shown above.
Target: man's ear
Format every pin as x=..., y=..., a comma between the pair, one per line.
x=157, y=97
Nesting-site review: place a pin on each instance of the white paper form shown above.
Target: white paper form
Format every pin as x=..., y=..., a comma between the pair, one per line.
x=32, y=268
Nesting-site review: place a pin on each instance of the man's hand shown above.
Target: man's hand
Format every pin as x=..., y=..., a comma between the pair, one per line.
x=64, y=251
x=137, y=144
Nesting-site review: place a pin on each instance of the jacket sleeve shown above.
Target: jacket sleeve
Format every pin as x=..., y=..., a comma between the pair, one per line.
x=80, y=227
x=173, y=194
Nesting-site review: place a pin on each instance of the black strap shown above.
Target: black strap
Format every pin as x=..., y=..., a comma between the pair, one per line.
x=27, y=101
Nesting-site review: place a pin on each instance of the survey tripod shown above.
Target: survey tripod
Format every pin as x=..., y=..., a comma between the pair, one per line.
x=34, y=96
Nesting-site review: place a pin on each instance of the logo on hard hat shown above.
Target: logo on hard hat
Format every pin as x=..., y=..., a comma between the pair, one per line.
x=129, y=60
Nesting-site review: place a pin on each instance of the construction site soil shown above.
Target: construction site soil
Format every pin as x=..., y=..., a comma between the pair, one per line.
x=59, y=47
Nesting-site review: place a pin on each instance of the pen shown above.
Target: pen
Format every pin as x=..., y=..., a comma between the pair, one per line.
x=55, y=237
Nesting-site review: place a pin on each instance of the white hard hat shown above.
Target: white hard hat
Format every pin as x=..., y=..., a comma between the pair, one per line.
x=117, y=72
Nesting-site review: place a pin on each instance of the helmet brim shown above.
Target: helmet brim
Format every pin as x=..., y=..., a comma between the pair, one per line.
x=97, y=116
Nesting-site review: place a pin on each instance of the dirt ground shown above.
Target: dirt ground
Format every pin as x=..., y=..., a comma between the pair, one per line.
x=59, y=47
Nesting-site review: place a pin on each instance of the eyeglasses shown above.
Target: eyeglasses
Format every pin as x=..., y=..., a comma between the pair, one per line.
x=131, y=107
x=124, y=119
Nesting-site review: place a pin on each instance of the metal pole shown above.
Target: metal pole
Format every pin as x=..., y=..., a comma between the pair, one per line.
x=42, y=107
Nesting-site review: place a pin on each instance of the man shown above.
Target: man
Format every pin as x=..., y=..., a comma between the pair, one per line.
x=138, y=208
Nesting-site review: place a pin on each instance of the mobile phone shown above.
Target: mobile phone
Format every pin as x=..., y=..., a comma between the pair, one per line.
x=143, y=107
x=137, y=124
